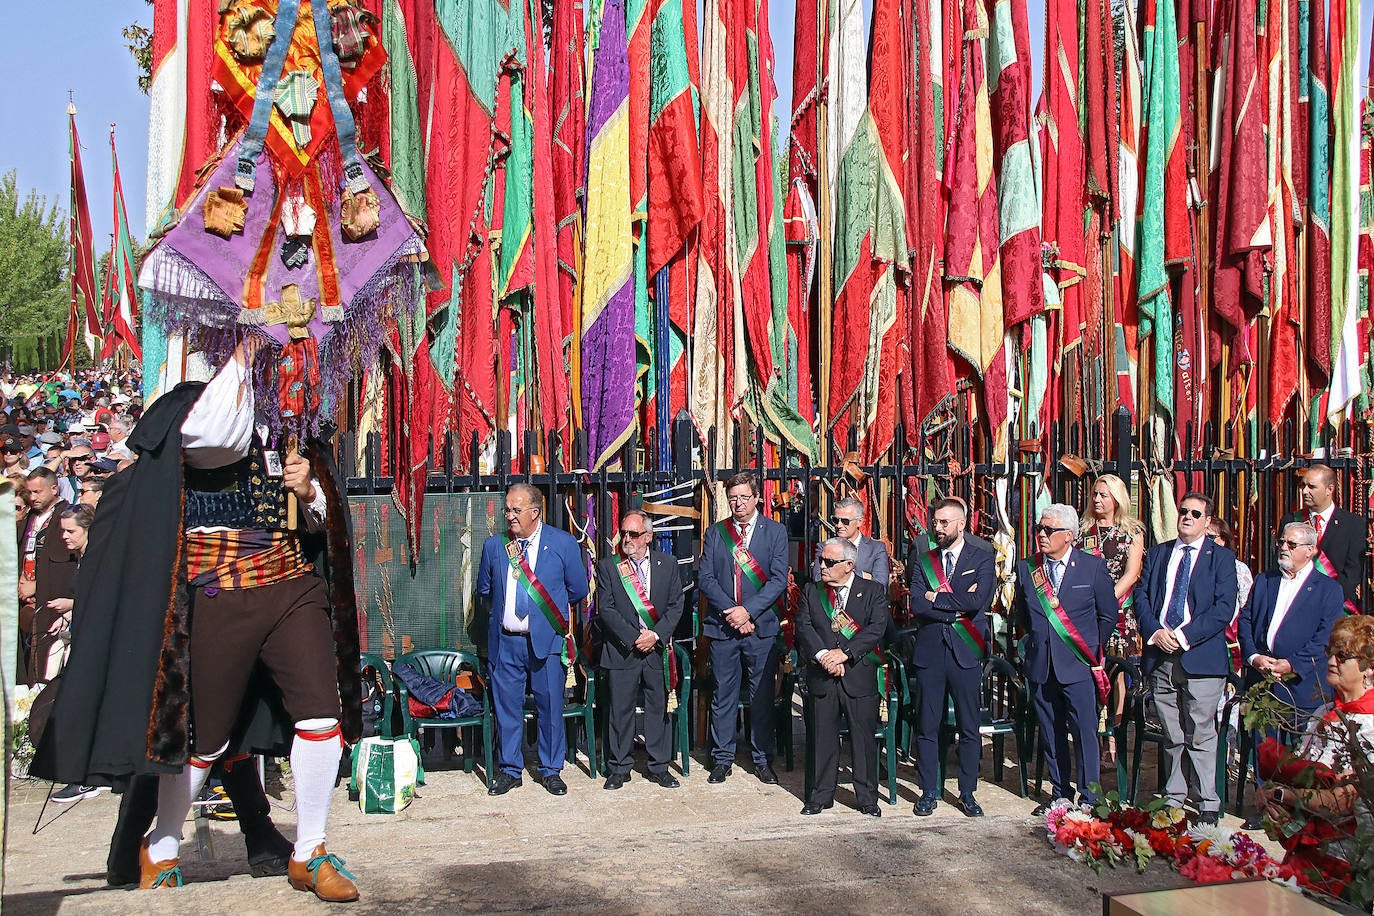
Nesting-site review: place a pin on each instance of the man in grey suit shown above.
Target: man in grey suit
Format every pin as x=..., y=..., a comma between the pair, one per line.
x=639, y=603
x=849, y=522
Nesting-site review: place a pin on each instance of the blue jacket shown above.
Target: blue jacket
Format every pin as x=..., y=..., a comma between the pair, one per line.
x=1301, y=638
x=974, y=583
x=559, y=567
x=1211, y=602
x=1088, y=597
x=768, y=545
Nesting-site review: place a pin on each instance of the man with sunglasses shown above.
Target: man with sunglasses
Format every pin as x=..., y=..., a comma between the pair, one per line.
x=531, y=576
x=1185, y=599
x=872, y=562
x=1287, y=621
x=1066, y=602
x=743, y=576
x=639, y=604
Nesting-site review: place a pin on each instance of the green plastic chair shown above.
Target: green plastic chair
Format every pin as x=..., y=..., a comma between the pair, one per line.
x=898, y=699
x=679, y=720
x=582, y=711
x=445, y=665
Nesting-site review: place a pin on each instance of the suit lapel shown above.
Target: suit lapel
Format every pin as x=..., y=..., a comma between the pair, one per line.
x=1271, y=601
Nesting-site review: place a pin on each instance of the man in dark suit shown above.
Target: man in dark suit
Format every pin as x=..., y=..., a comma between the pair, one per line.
x=46, y=567
x=744, y=579
x=1067, y=604
x=951, y=591
x=1286, y=623
x=842, y=620
x=873, y=562
x=531, y=578
x=1184, y=600
x=1341, y=534
x=639, y=603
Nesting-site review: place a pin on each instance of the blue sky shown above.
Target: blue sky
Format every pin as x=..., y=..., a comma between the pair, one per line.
x=76, y=45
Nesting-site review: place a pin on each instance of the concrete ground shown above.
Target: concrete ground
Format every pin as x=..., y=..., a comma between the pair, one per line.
x=740, y=847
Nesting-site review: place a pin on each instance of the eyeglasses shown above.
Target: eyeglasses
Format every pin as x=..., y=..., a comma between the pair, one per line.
x=1290, y=544
x=841, y=520
x=1047, y=530
x=516, y=510
x=1341, y=657
x=1191, y=513
x=635, y=533
x=830, y=563
x=741, y=499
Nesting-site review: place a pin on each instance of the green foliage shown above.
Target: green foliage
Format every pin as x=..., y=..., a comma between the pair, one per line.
x=139, y=41
x=33, y=272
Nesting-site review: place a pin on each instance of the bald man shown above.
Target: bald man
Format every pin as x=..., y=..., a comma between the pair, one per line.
x=1341, y=534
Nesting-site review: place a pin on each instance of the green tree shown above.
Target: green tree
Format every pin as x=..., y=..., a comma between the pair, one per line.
x=33, y=273
x=139, y=40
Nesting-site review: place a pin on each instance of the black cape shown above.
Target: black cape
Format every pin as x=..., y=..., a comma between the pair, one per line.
x=124, y=705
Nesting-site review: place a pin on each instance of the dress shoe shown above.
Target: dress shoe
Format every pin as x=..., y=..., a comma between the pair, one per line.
x=925, y=806
x=816, y=807
x=871, y=811
x=1207, y=818
x=766, y=775
x=268, y=851
x=503, y=783
x=719, y=772
x=151, y=875
x=554, y=784
x=1254, y=821
x=324, y=875
x=1041, y=809
x=615, y=781
x=665, y=780
x=971, y=807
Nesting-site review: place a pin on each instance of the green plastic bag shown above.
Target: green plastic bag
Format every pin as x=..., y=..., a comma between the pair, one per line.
x=385, y=774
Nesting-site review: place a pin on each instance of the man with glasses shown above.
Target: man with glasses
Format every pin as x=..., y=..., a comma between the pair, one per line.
x=872, y=562
x=839, y=626
x=532, y=575
x=639, y=604
x=1066, y=602
x=1341, y=534
x=952, y=588
x=743, y=575
x=1185, y=599
x=1287, y=621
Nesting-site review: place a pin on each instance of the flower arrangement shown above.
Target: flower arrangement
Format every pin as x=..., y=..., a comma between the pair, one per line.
x=1110, y=833
x=21, y=748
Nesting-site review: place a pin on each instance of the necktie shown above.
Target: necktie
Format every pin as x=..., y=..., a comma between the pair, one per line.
x=1056, y=573
x=841, y=594
x=521, y=599
x=949, y=564
x=1317, y=524
x=1173, y=618
x=743, y=532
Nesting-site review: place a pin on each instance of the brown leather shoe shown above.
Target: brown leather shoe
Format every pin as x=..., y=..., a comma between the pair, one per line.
x=153, y=875
x=325, y=875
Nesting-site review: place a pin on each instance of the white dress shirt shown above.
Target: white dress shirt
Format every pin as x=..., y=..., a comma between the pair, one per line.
x=509, y=620
x=1170, y=573
x=749, y=528
x=953, y=553
x=1289, y=587
x=1325, y=516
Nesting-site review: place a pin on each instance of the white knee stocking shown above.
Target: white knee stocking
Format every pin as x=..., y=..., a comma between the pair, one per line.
x=175, y=795
x=314, y=767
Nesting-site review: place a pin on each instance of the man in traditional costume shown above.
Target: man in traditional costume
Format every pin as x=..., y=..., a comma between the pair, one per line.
x=200, y=529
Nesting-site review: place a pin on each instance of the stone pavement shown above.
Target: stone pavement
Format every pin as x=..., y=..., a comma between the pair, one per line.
x=740, y=847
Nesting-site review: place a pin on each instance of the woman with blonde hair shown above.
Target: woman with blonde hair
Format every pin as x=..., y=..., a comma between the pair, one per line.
x=1112, y=532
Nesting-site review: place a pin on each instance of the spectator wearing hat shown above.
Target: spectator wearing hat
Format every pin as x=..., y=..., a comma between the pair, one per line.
x=99, y=443
x=12, y=453
x=32, y=452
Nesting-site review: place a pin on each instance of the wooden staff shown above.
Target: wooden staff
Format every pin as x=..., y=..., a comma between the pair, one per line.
x=292, y=449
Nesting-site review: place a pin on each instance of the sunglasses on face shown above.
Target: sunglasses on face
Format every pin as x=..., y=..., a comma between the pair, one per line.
x=1191, y=513
x=830, y=563
x=1290, y=544
x=633, y=532
x=1048, y=530
x=841, y=520
x=1341, y=657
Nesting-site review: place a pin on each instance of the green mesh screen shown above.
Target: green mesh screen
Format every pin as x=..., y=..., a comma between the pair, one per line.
x=433, y=608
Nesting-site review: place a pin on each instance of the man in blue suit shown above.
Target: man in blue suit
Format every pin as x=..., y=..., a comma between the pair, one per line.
x=1067, y=604
x=951, y=590
x=1185, y=599
x=744, y=578
x=531, y=578
x=1286, y=623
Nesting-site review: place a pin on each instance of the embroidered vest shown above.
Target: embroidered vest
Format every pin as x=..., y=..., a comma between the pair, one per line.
x=239, y=495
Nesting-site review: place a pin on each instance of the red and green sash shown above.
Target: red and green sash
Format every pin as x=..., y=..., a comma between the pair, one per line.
x=1093, y=545
x=744, y=560
x=1064, y=627
x=649, y=616
x=524, y=575
x=1328, y=569
x=842, y=623
x=935, y=577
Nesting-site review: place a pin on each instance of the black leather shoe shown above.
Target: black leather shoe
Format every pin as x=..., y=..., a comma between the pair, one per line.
x=871, y=810
x=719, y=772
x=813, y=808
x=268, y=852
x=1254, y=821
x=925, y=806
x=665, y=779
x=503, y=783
x=615, y=781
x=1041, y=809
x=971, y=807
x=555, y=785
x=766, y=775
x=1207, y=818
